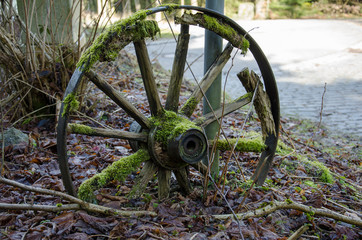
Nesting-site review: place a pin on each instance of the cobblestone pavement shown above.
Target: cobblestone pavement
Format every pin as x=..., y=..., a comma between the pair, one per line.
x=308, y=57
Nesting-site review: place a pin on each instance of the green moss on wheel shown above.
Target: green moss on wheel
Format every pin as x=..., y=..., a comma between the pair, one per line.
x=248, y=95
x=226, y=31
x=81, y=129
x=113, y=39
x=189, y=106
x=71, y=104
x=171, y=125
x=243, y=145
x=119, y=170
x=214, y=25
x=245, y=46
x=170, y=6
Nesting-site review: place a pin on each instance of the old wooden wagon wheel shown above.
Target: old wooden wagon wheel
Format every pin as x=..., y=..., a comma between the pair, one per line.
x=167, y=140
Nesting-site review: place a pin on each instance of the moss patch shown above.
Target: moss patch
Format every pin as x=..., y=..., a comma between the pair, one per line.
x=313, y=168
x=170, y=6
x=119, y=170
x=108, y=44
x=243, y=145
x=283, y=149
x=171, y=125
x=246, y=185
x=71, y=104
x=310, y=184
x=218, y=26
x=248, y=95
x=226, y=31
x=189, y=107
x=323, y=172
x=81, y=129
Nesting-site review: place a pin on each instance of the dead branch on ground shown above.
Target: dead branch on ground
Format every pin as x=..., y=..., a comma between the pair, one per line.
x=274, y=206
x=89, y=207
x=77, y=203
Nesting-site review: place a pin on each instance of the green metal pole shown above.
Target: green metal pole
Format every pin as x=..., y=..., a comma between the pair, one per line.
x=213, y=47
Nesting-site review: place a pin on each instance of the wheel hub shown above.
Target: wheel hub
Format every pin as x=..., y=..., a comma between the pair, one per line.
x=187, y=148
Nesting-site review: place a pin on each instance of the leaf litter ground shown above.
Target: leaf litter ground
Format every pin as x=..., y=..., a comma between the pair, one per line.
x=180, y=216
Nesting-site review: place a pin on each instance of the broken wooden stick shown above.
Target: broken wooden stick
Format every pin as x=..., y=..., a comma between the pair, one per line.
x=252, y=83
x=274, y=206
x=79, y=204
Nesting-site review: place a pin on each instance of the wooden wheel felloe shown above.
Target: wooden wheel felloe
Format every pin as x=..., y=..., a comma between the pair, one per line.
x=167, y=140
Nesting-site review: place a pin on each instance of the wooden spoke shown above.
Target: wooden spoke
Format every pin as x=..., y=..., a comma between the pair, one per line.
x=102, y=132
x=148, y=78
x=147, y=173
x=178, y=68
x=118, y=99
x=183, y=180
x=164, y=177
x=228, y=108
x=214, y=70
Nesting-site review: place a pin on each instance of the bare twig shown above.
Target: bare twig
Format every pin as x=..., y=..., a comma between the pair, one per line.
x=232, y=153
x=299, y=232
x=321, y=112
x=81, y=204
x=274, y=206
x=79, y=28
x=251, y=187
x=98, y=22
x=93, y=120
x=46, y=208
x=347, y=180
x=343, y=207
x=2, y=137
x=33, y=112
x=227, y=202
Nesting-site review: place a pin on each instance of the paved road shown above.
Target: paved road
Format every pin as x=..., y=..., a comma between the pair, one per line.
x=304, y=54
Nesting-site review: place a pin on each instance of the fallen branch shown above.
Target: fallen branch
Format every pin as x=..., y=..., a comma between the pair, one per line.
x=274, y=206
x=79, y=204
x=343, y=207
x=299, y=232
x=36, y=207
x=89, y=207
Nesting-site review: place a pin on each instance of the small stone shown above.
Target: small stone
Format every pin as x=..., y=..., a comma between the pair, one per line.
x=13, y=136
